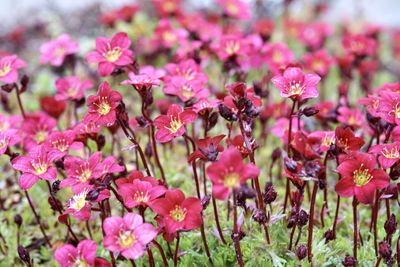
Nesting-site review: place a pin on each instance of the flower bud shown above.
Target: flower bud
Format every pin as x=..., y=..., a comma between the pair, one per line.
x=391, y=225
x=8, y=87
x=276, y=154
x=92, y=195
x=291, y=165
x=55, y=186
x=328, y=236
x=384, y=250
x=18, y=220
x=205, y=201
x=23, y=254
x=270, y=194
x=100, y=141
x=302, y=218
x=309, y=111
x=260, y=217
x=301, y=252
x=212, y=120
x=226, y=113
x=349, y=261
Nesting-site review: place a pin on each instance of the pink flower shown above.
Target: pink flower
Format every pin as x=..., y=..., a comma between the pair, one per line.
x=359, y=45
x=388, y=106
x=229, y=172
x=350, y=117
x=321, y=140
x=313, y=35
x=102, y=106
x=79, y=207
x=111, y=53
x=277, y=56
x=187, y=69
x=140, y=193
x=128, y=235
x=185, y=89
x=319, y=62
x=8, y=138
x=177, y=212
x=72, y=88
x=82, y=255
x=141, y=82
x=237, y=9
x=9, y=66
x=173, y=124
x=34, y=166
x=108, y=166
x=61, y=142
x=388, y=154
x=80, y=172
x=294, y=84
x=167, y=36
x=204, y=105
x=55, y=51
x=231, y=46
x=36, y=127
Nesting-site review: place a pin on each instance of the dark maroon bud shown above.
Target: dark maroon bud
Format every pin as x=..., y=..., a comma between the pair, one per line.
x=389, y=261
x=8, y=87
x=302, y=218
x=122, y=115
x=18, y=220
x=238, y=236
x=148, y=97
x=226, y=113
x=312, y=168
x=329, y=236
x=276, y=154
x=395, y=172
x=212, y=120
x=79, y=102
x=309, y=111
x=260, y=217
x=252, y=112
x=270, y=194
x=92, y=195
x=242, y=103
x=100, y=141
x=391, y=225
x=24, y=83
x=322, y=184
x=292, y=219
x=244, y=193
x=23, y=254
x=291, y=165
x=301, y=252
x=384, y=250
x=349, y=261
x=205, y=201
x=142, y=122
x=55, y=186
x=148, y=151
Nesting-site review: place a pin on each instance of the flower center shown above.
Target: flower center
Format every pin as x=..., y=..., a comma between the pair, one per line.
x=295, y=88
x=72, y=91
x=232, y=8
x=361, y=176
x=393, y=153
x=39, y=166
x=60, y=144
x=113, y=55
x=3, y=143
x=328, y=140
x=103, y=108
x=396, y=111
x=277, y=56
x=80, y=263
x=5, y=69
x=59, y=52
x=126, y=239
x=40, y=136
x=174, y=125
x=231, y=180
x=232, y=47
x=78, y=201
x=141, y=197
x=169, y=36
x=187, y=92
x=178, y=214
x=85, y=175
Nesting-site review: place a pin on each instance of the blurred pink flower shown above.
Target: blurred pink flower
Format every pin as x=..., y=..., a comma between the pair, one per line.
x=72, y=88
x=55, y=51
x=9, y=66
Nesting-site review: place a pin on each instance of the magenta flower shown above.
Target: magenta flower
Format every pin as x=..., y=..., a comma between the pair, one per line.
x=229, y=172
x=319, y=62
x=167, y=35
x=8, y=138
x=141, y=82
x=9, y=66
x=34, y=166
x=173, y=124
x=55, y=51
x=111, y=53
x=178, y=212
x=388, y=154
x=36, y=128
x=229, y=46
x=80, y=172
x=294, y=84
x=128, y=235
x=72, y=88
x=237, y=9
x=277, y=56
x=187, y=69
x=102, y=106
x=79, y=207
x=82, y=255
x=108, y=166
x=140, y=193
x=61, y=142
x=185, y=89
x=351, y=117
x=204, y=105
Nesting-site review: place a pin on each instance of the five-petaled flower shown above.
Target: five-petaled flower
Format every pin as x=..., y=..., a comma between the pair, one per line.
x=102, y=106
x=37, y=164
x=111, y=53
x=128, y=235
x=55, y=51
x=178, y=213
x=229, y=172
x=173, y=124
x=72, y=88
x=9, y=66
x=294, y=84
x=82, y=255
x=360, y=178
x=140, y=193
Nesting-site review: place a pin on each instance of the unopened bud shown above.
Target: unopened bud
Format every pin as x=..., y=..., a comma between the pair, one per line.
x=301, y=252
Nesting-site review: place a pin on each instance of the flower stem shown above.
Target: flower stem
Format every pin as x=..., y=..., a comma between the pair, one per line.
x=236, y=238
x=21, y=107
x=160, y=249
x=221, y=235
x=311, y=222
x=176, y=250
x=355, y=227
x=288, y=148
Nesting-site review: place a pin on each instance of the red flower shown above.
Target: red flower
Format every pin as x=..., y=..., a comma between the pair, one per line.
x=346, y=140
x=140, y=193
x=52, y=106
x=177, y=212
x=229, y=172
x=102, y=106
x=173, y=124
x=360, y=178
x=207, y=148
